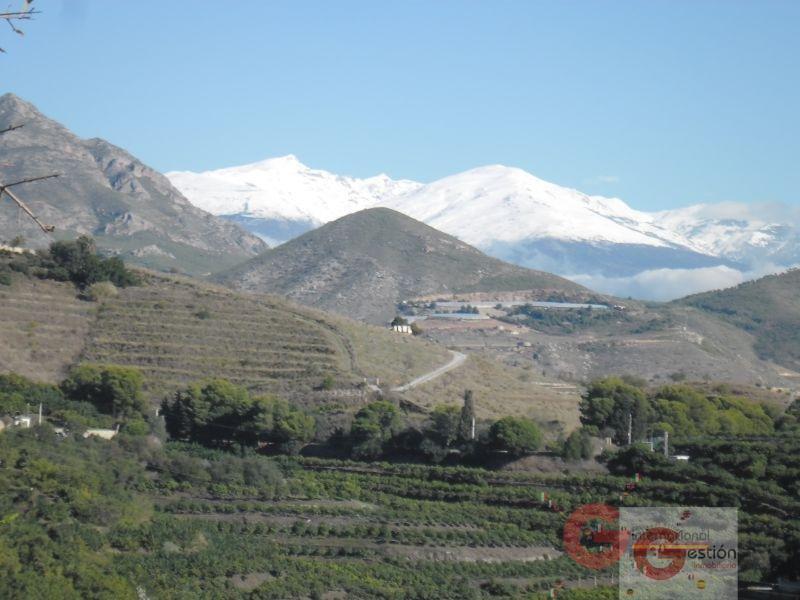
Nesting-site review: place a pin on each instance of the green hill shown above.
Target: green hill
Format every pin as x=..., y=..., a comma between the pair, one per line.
x=363, y=264
x=767, y=308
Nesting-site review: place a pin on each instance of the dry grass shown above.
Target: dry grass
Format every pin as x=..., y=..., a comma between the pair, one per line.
x=43, y=327
x=177, y=331
x=394, y=358
x=501, y=390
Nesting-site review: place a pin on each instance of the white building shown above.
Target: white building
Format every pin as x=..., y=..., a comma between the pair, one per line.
x=24, y=421
x=105, y=434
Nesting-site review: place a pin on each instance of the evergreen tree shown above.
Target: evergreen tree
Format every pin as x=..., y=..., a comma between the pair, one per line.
x=467, y=417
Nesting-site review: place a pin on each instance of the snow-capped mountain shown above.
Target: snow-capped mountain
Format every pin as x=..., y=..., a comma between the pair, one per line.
x=510, y=214
x=748, y=233
x=497, y=204
x=280, y=198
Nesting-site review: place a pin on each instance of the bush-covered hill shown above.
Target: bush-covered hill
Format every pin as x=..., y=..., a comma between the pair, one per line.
x=767, y=308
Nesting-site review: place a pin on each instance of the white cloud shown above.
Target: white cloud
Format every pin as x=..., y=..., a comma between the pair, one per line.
x=669, y=284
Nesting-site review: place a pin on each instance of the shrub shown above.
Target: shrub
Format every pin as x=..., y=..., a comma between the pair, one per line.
x=373, y=426
x=102, y=290
x=77, y=261
x=112, y=389
x=515, y=435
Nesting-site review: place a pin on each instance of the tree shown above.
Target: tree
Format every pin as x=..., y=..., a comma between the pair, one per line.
x=13, y=17
x=467, y=418
x=78, y=261
x=292, y=429
x=515, y=435
x=790, y=420
x=578, y=445
x=373, y=426
x=219, y=413
x=609, y=404
x=445, y=421
x=112, y=389
x=5, y=188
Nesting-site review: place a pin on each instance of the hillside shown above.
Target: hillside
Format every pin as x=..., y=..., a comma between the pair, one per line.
x=656, y=342
x=43, y=326
x=363, y=264
x=177, y=331
x=103, y=191
x=767, y=308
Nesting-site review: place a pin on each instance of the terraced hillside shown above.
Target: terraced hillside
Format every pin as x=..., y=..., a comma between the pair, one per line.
x=398, y=532
x=179, y=331
x=43, y=326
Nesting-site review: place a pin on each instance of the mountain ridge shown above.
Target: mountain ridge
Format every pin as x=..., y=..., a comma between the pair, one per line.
x=363, y=264
x=514, y=216
x=766, y=308
x=104, y=191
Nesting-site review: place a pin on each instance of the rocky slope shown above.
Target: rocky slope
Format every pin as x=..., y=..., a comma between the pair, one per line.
x=105, y=192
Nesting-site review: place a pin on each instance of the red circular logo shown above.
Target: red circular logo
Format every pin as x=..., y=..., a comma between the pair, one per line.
x=573, y=530
x=662, y=539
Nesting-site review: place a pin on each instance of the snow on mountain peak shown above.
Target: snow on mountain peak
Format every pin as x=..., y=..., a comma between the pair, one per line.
x=504, y=211
x=284, y=189
x=491, y=204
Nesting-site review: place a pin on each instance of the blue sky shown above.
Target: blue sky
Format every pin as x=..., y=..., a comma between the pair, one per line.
x=662, y=103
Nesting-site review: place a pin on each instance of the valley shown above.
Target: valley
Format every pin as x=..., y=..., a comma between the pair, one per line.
x=405, y=397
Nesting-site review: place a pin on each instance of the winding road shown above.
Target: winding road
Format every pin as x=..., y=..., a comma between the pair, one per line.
x=457, y=360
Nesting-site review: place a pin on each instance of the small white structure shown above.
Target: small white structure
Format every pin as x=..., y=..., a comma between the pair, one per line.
x=683, y=457
x=15, y=249
x=105, y=434
x=402, y=329
x=24, y=421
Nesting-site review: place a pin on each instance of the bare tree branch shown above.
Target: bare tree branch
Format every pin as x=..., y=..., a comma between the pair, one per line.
x=26, y=14
x=12, y=128
x=29, y=180
x=4, y=190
